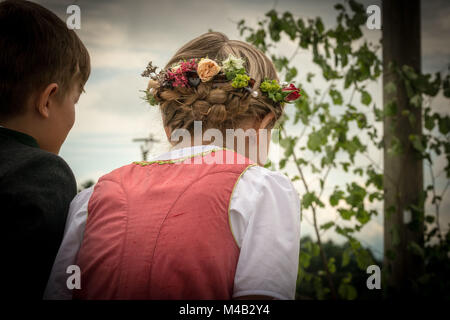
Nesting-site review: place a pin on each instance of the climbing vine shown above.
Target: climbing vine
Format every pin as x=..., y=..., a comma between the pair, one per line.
x=335, y=128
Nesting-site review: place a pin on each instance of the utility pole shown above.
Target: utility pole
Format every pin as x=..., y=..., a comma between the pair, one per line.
x=403, y=173
x=146, y=144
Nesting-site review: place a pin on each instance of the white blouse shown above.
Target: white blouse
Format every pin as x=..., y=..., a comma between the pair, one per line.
x=265, y=220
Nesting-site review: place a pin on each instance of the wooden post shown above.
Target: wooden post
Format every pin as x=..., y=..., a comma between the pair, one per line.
x=403, y=173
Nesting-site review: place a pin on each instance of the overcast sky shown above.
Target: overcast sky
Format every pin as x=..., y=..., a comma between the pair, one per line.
x=122, y=36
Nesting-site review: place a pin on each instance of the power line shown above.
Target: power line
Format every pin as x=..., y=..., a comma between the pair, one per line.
x=146, y=145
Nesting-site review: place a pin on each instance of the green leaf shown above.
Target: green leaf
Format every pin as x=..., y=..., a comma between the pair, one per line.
x=308, y=199
x=356, y=194
x=345, y=257
x=409, y=72
x=319, y=25
x=396, y=147
x=331, y=265
x=327, y=225
x=316, y=140
x=379, y=115
x=345, y=166
x=444, y=125
x=282, y=163
x=305, y=259
x=390, y=87
x=366, y=99
x=335, y=197
x=347, y=292
x=416, y=101
x=429, y=122
x=416, y=249
x=315, y=250
x=446, y=86
x=268, y=164
x=288, y=144
x=390, y=109
x=363, y=259
x=336, y=97
x=417, y=143
x=280, y=63
x=345, y=213
x=362, y=216
x=291, y=74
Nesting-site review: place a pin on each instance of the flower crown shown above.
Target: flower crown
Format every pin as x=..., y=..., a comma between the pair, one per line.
x=189, y=74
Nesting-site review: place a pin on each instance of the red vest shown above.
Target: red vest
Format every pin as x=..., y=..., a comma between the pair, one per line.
x=161, y=230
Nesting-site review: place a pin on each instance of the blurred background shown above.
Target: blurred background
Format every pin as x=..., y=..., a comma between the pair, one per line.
x=123, y=36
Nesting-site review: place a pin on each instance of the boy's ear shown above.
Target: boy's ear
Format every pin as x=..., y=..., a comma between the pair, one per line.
x=45, y=98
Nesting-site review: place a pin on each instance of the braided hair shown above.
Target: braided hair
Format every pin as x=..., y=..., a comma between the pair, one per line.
x=217, y=105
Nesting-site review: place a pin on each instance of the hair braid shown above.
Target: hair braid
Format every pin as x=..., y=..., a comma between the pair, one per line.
x=217, y=105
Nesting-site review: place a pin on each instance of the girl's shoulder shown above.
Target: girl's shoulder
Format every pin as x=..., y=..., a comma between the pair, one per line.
x=263, y=178
x=269, y=193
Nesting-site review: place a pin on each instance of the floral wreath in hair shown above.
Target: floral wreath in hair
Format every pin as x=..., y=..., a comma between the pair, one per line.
x=189, y=74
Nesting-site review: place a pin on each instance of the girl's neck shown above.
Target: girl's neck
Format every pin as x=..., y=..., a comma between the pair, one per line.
x=186, y=144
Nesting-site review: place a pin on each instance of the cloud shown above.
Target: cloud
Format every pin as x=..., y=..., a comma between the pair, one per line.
x=123, y=36
x=117, y=93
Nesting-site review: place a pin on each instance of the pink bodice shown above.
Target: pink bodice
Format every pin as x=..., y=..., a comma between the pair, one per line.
x=161, y=231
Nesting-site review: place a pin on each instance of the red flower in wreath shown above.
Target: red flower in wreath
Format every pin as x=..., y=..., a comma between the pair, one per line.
x=177, y=74
x=294, y=93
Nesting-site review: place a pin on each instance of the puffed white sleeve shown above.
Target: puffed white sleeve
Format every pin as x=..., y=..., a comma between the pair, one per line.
x=265, y=221
x=67, y=254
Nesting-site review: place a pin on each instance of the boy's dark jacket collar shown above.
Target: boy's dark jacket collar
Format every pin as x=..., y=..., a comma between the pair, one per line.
x=19, y=137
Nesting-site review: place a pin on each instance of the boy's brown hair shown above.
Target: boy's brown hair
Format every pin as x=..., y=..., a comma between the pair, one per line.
x=36, y=49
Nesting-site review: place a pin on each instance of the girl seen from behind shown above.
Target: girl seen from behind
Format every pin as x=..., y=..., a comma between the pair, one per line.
x=205, y=220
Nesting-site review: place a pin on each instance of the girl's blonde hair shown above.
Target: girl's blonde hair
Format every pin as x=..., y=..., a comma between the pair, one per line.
x=218, y=106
